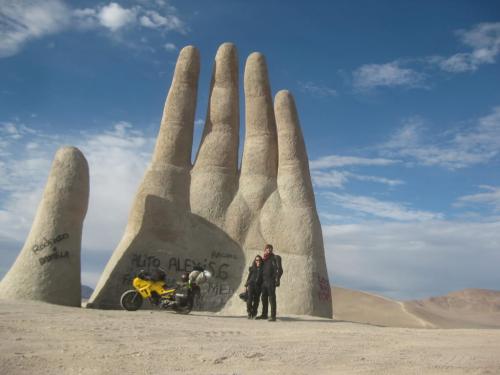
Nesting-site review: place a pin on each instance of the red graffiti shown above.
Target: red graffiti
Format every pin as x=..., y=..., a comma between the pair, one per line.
x=324, y=293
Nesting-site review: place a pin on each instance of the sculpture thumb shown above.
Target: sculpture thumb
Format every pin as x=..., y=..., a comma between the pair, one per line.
x=48, y=266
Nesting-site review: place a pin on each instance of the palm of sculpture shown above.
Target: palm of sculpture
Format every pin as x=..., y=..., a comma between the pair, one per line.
x=216, y=215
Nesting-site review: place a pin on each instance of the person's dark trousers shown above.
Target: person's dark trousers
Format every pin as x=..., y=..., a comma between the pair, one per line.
x=253, y=299
x=268, y=296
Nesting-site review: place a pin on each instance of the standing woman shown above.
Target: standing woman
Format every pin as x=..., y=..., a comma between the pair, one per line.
x=253, y=286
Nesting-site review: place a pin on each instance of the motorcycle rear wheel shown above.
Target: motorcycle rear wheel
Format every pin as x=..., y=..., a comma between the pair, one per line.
x=131, y=300
x=193, y=303
x=186, y=309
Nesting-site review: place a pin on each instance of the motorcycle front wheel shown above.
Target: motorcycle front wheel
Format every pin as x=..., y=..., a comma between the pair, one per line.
x=131, y=300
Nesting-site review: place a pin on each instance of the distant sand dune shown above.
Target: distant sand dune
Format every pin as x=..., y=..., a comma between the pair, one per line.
x=469, y=308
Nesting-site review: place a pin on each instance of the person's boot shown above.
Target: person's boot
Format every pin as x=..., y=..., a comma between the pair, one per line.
x=272, y=319
x=261, y=317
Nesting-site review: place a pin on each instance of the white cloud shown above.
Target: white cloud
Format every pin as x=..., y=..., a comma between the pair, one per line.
x=407, y=136
x=11, y=132
x=484, y=137
x=337, y=179
x=316, y=89
x=415, y=259
x=117, y=160
x=23, y=170
x=170, y=47
x=484, y=39
x=332, y=161
x=114, y=17
x=334, y=179
x=26, y=20
x=490, y=198
x=391, y=74
x=380, y=180
x=324, y=176
x=154, y=20
x=477, y=144
x=86, y=18
x=460, y=62
x=368, y=206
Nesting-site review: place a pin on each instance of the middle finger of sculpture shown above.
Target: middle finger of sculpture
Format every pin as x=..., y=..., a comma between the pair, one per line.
x=215, y=214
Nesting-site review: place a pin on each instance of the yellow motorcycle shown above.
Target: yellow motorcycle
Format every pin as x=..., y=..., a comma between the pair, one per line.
x=153, y=287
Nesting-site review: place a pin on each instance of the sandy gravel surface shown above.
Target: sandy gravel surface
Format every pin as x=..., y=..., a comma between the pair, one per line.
x=38, y=338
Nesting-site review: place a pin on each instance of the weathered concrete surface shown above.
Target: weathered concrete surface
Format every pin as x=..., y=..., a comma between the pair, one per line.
x=48, y=266
x=215, y=214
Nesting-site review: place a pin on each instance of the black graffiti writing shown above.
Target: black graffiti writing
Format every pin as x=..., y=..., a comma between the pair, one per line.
x=219, y=290
x=54, y=255
x=49, y=242
x=218, y=254
x=213, y=296
x=176, y=264
x=221, y=272
x=187, y=265
x=145, y=261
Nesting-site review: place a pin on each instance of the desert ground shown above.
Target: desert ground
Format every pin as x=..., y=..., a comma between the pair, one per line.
x=47, y=339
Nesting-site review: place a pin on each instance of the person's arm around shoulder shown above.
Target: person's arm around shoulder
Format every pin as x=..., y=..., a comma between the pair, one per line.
x=279, y=269
x=250, y=270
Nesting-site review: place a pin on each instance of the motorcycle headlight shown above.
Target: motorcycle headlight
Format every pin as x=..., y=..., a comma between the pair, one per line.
x=207, y=274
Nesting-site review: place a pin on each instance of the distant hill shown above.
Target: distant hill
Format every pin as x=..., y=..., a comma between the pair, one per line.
x=469, y=308
x=86, y=291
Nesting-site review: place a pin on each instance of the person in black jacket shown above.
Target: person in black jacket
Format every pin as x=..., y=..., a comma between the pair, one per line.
x=253, y=286
x=271, y=274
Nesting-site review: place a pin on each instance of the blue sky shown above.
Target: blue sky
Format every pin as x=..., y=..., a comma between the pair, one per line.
x=399, y=105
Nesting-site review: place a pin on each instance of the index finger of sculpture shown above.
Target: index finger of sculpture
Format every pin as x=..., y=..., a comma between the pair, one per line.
x=294, y=179
x=175, y=138
x=260, y=149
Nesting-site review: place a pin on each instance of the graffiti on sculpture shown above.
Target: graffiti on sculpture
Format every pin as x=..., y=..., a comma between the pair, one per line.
x=218, y=254
x=324, y=293
x=218, y=269
x=215, y=293
x=48, y=242
x=56, y=254
x=144, y=261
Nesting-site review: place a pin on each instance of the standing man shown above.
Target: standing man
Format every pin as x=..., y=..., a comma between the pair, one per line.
x=271, y=274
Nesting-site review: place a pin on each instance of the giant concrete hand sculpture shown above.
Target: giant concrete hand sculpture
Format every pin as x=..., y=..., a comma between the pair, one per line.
x=214, y=214
x=48, y=266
